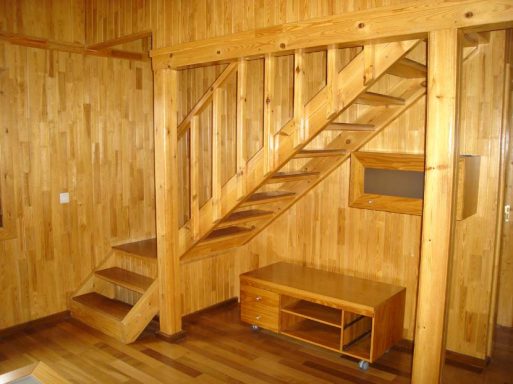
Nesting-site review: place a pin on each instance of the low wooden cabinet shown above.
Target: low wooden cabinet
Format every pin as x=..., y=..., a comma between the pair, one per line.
x=356, y=317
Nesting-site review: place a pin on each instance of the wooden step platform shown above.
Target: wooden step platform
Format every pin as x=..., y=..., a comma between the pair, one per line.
x=283, y=177
x=225, y=233
x=378, y=99
x=408, y=69
x=245, y=217
x=126, y=279
x=114, y=309
x=350, y=127
x=143, y=248
x=268, y=197
x=310, y=153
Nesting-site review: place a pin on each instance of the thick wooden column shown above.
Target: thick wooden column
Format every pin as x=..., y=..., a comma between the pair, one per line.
x=166, y=182
x=439, y=205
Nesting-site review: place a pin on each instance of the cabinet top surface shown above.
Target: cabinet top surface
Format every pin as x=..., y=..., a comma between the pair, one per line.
x=330, y=285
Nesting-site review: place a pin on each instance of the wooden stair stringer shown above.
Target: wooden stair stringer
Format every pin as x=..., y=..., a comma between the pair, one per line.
x=146, y=308
x=318, y=114
x=331, y=166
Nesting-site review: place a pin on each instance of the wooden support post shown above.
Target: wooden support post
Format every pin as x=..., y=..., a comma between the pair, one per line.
x=194, y=164
x=166, y=186
x=299, y=102
x=217, y=108
x=444, y=64
x=268, y=114
x=369, y=59
x=241, y=139
x=332, y=75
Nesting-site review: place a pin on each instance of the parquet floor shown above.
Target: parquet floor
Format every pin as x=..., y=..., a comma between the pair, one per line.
x=218, y=349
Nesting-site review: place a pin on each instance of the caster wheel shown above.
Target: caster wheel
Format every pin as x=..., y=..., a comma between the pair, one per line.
x=363, y=365
x=255, y=328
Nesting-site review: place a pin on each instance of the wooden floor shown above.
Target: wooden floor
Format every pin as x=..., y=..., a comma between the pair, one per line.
x=218, y=349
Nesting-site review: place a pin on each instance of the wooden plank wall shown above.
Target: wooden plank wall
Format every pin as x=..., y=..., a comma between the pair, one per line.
x=60, y=20
x=81, y=125
x=473, y=261
x=183, y=21
x=505, y=300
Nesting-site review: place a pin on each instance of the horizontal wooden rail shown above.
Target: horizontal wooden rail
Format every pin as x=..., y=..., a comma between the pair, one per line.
x=414, y=19
x=36, y=42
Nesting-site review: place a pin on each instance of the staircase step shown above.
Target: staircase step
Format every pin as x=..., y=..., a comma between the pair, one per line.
x=350, y=127
x=108, y=307
x=245, y=216
x=309, y=153
x=408, y=69
x=281, y=177
x=225, y=233
x=378, y=99
x=267, y=197
x=124, y=278
x=144, y=248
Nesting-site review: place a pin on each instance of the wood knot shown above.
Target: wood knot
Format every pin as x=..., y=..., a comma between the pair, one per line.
x=348, y=141
x=282, y=45
x=361, y=25
x=218, y=52
x=469, y=14
x=298, y=69
x=267, y=100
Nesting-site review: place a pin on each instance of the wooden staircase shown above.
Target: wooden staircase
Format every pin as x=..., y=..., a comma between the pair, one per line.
x=121, y=297
x=295, y=157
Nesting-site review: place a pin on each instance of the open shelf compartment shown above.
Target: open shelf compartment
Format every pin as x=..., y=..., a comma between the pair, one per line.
x=356, y=335
x=310, y=331
x=312, y=311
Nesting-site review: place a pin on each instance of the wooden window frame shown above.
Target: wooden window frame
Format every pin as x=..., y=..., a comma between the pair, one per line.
x=390, y=161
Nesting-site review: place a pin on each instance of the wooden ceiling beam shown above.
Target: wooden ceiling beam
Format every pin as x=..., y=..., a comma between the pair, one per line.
x=412, y=20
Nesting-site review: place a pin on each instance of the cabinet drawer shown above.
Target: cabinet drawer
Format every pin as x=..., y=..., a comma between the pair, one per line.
x=252, y=295
x=265, y=317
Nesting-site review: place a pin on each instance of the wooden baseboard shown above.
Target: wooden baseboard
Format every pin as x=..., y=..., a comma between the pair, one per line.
x=456, y=359
x=47, y=320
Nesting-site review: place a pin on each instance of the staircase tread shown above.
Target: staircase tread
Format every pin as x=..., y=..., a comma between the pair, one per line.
x=248, y=215
x=227, y=232
x=262, y=197
x=127, y=279
x=373, y=98
x=145, y=248
x=308, y=153
x=291, y=176
x=100, y=303
x=350, y=127
x=408, y=69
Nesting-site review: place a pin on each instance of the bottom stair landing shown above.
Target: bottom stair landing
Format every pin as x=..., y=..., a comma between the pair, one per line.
x=121, y=297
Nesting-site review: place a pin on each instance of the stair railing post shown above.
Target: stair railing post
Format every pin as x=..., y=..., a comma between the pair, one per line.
x=268, y=141
x=300, y=133
x=241, y=137
x=194, y=164
x=217, y=112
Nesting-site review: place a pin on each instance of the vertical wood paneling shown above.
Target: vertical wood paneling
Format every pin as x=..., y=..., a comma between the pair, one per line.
x=505, y=300
x=60, y=20
x=81, y=125
x=473, y=260
x=183, y=21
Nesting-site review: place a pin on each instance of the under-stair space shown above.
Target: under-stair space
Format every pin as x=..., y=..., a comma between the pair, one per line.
x=313, y=109
x=121, y=297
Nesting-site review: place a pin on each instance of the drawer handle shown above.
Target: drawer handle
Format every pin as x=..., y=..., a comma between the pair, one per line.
x=258, y=298
x=258, y=317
